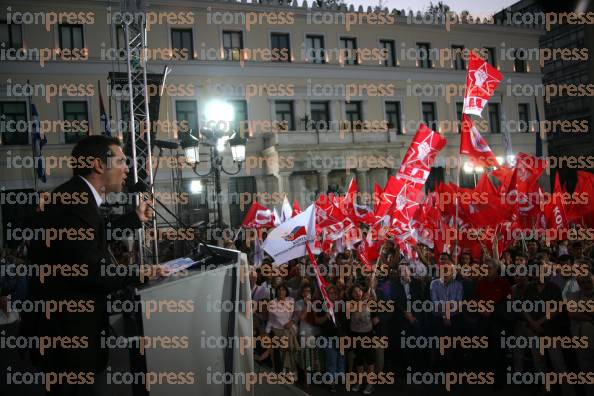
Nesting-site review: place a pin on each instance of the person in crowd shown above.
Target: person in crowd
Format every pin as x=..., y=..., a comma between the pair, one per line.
x=531, y=248
x=446, y=293
x=281, y=325
x=493, y=289
x=571, y=285
x=582, y=325
x=518, y=295
x=540, y=291
x=483, y=281
x=361, y=324
x=304, y=316
x=408, y=293
x=506, y=258
x=334, y=359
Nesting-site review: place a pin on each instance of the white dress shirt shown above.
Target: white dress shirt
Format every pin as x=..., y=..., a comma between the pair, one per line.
x=96, y=194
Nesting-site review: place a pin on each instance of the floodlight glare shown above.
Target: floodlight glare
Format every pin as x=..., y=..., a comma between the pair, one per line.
x=219, y=115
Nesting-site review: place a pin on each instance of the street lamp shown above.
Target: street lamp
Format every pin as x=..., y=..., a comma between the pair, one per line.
x=217, y=134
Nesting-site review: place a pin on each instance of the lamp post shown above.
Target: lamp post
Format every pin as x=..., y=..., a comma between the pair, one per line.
x=217, y=135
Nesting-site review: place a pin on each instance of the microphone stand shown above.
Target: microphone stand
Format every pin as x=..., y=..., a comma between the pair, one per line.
x=195, y=247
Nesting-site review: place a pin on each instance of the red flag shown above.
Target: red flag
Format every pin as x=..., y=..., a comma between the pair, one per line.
x=484, y=185
x=581, y=212
x=377, y=195
x=481, y=81
x=348, y=201
x=473, y=144
x=503, y=174
x=330, y=221
x=296, y=208
x=322, y=284
x=554, y=212
x=368, y=249
x=388, y=197
x=418, y=160
x=258, y=216
x=529, y=168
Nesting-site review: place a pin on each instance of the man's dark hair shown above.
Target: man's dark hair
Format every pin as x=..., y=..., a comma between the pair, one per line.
x=565, y=258
x=521, y=254
x=95, y=146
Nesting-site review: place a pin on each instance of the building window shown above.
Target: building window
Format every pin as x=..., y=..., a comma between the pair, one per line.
x=12, y=113
x=280, y=44
x=354, y=115
x=186, y=116
x=393, y=117
x=459, y=108
x=181, y=39
x=232, y=45
x=429, y=117
x=523, y=117
x=348, y=46
x=71, y=36
x=76, y=110
x=237, y=186
x=11, y=35
x=494, y=118
x=520, y=61
x=458, y=57
x=315, y=49
x=389, y=50
x=284, y=114
x=320, y=114
x=491, y=57
x=120, y=37
x=423, y=55
x=240, y=114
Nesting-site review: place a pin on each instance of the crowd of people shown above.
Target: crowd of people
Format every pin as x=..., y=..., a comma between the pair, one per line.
x=436, y=314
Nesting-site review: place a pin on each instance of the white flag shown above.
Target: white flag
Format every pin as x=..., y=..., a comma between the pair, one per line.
x=287, y=241
x=286, y=210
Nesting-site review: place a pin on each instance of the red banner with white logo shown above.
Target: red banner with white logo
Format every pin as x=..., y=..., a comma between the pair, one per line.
x=481, y=81
x=473, y=145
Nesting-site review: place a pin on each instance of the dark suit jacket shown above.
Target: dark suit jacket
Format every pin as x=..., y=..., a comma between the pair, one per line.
x=89, y=289
x=417, y=293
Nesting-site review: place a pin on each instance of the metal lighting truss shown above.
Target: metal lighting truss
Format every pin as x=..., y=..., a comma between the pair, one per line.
x=140, y=127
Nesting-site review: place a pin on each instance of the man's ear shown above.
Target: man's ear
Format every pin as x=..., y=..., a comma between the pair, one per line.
x=98, y=166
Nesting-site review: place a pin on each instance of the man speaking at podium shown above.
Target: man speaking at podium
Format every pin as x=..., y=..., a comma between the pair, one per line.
x=76, y=290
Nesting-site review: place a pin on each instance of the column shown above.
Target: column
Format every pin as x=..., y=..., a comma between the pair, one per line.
x=362, y=180
x=335, y=114
x=284, y=187
x=300, y=112
x=299, y=190
x=323, y=180
x=261, y=183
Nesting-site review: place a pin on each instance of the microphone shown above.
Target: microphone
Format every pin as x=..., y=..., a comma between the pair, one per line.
x=139, y=187
x=166, y=144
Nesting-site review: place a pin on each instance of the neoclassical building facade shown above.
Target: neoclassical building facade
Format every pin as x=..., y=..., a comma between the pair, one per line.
x=323, y=94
